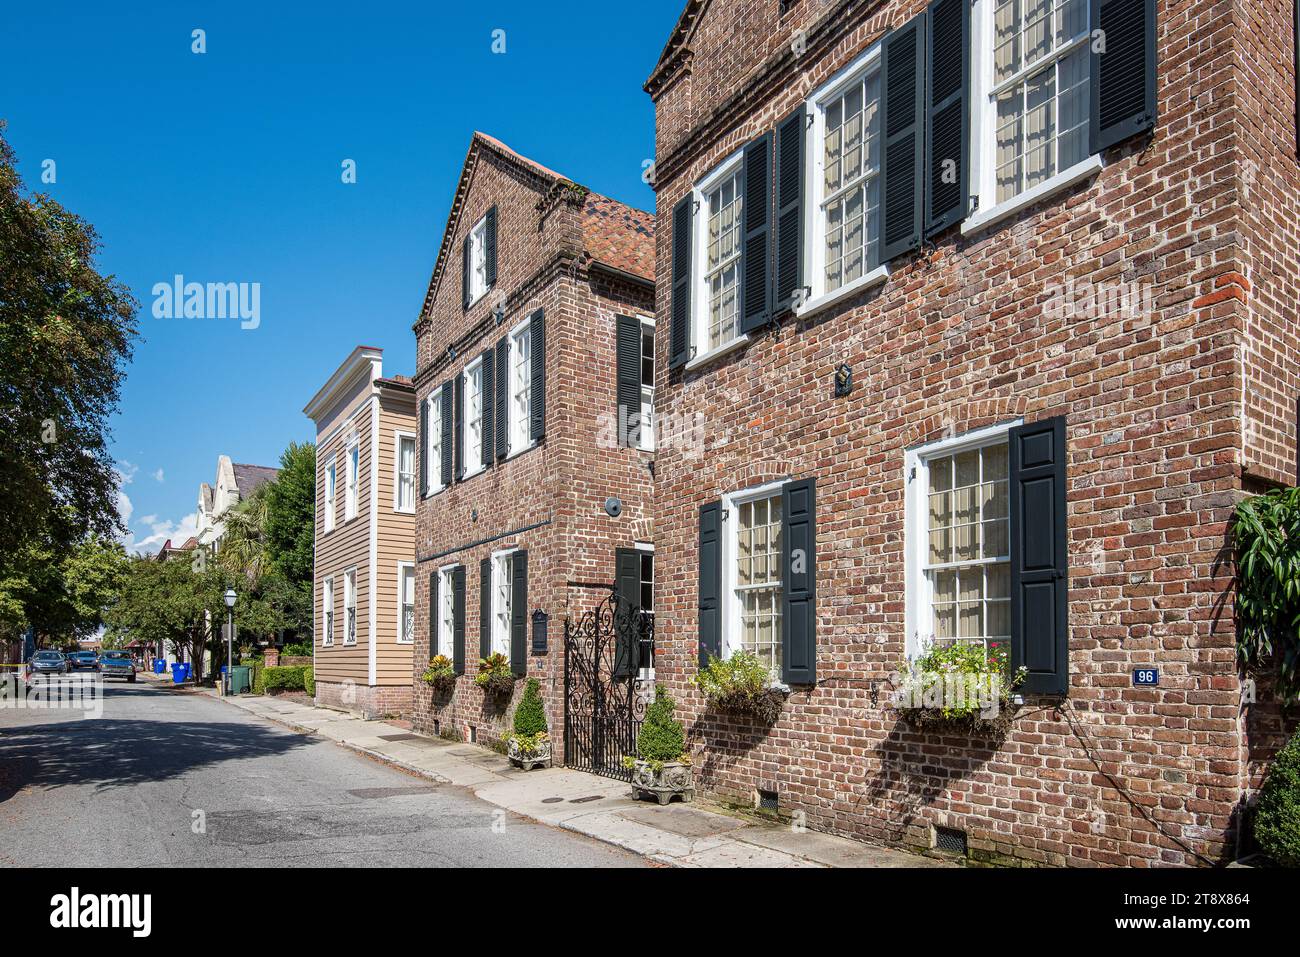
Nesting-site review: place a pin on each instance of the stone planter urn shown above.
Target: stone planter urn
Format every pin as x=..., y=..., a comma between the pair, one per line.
x=672, y=778
x=537, y=757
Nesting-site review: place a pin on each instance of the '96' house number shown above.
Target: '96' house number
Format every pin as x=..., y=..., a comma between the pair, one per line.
x=1146, y=677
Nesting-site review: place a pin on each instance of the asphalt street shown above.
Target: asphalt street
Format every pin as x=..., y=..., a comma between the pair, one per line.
x=166, y=778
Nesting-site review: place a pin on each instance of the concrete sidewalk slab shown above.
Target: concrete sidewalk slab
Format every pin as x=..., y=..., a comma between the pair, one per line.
x=679, y=835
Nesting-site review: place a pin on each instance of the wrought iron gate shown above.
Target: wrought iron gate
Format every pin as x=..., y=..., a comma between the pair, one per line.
x=604, y=651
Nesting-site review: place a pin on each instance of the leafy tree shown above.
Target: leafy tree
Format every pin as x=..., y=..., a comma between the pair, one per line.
x=60, y=591
x=66, y=333
x=243, y=544
x=291, y=515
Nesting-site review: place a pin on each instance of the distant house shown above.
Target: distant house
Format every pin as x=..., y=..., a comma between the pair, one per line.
x=364, y=578
x=235, y=482
x=170, y=552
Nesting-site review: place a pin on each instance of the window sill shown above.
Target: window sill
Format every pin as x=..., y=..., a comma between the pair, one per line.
x=873, y=278
x=1075, y=174
x=717, y=352
x=520, y=451
x=404, y=511
x=433, y=492
x=465, y=477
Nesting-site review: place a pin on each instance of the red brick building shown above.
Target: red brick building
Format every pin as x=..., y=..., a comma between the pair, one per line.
x=539, y=305
x=989, y=311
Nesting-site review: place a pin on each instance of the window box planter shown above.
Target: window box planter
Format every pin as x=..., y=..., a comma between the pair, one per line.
x=495, y=677
x=961, y=687
x=440, y=675
x=741, y=685
x=662, y=780
x=529, y=751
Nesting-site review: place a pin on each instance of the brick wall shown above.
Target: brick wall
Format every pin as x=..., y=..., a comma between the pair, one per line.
x=372, y=701
x=958, y=338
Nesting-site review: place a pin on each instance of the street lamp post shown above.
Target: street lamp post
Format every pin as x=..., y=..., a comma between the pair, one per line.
x=230, y=638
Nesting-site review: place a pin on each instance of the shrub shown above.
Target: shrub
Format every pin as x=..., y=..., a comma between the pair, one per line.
x=959, y=683
x=740, y=684
x=441, y=674
x=494, y=674
x=284, y=678
x=1266, y=533
x=1277, y=819
x=530, y=718
x=661, y=739
x=309, y=680
x=299, y=649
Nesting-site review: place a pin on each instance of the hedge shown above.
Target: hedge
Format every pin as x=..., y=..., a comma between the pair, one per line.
x=309, y=681
x=290, y=678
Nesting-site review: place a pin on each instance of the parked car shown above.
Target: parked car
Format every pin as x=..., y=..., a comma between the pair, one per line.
x=117, y=664
x=46, y=663
x=83, y=661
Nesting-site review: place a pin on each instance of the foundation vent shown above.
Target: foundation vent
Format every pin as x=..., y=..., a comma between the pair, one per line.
x=950, y=840
x=768, y=801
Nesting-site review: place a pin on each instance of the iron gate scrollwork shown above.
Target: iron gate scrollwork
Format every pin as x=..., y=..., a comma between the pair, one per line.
x=604, y=651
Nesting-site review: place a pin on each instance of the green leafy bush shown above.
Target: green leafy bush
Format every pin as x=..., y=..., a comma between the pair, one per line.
x=299, y=649
x=959, y=683
x=530, y=717
x=1266, y=532
x=309, y=680
x=661, y=739
x=494, y=675
x=1277, y=819
x=441, y=674
x=284, y=678
x=740, y=684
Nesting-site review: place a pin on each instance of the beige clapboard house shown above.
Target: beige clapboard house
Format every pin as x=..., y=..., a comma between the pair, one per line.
x=364, y=577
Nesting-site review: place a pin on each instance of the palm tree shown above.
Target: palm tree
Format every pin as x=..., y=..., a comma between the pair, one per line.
x=243, y=544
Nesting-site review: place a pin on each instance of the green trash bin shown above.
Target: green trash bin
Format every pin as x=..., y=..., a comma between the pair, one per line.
x=240, y=680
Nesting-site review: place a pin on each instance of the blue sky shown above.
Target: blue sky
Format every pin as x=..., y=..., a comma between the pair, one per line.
x=226, y=166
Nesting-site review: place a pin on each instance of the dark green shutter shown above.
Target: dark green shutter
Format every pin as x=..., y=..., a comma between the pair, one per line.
x=433, y=614
x=1124, y=77
x=460, y=426
x=947, y=117
x=710, y=579
x=423, y=451
x=628, y=368
x=1039, y=556
x=680, y=319
x=788, y=220
x=627, y=585
x=448, y=435
x=485, y=608
x=465, y=260
x=902, y=169
x=502, y=420
x=755, y=248
x=799, y=596
x=487, y=391
x=458, y=618
x=519, y=614
x=537, y=390
x=490, y=247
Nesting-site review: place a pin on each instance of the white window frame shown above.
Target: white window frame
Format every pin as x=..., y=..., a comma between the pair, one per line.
x=433, y=448
x=400, y=436
x=984, y=120
x=446, y=612
x=646, y=436
x=919, y=589
x=478, y=261
x=327, y=612
x=502, y=585
x=350, y=601
x=352, y=483
x=473, y=458
x=814, y=222
x=519, y=426
x=402, y=569
x=700, y=264
x=730, y=605
x=646, y=548
x=331, y=492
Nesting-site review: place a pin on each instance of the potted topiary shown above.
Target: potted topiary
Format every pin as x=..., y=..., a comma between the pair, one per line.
x=529, y=746
x=494, y=675
x=741, y=684
x=1277, y=817
x=661, y=768
x=440, y=675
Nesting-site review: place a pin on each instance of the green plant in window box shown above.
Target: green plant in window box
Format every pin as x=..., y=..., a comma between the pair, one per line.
x=1266, y=533
x=741, y=684
x=440, y=675
x=529, y=744
x=661, y=768
x=961, y=684
x=494, y=675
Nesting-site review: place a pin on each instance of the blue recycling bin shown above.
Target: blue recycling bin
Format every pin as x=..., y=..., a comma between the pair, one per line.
x=179, y=673
x=185, y=671
x=160, y=666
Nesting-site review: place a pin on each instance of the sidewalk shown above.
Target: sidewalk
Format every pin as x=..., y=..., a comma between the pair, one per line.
x=679, y=835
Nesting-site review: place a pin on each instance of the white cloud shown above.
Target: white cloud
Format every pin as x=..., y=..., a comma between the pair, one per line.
x=124, y=507
x=158, y=476
x=158, y=533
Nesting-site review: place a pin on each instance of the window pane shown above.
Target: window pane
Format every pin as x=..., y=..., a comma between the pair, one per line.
x=999, y=619
x=940, y=510
x=1009, y=162
x=965, y=543
x=940, y=547
x=1006, y=39
x=1072, y=107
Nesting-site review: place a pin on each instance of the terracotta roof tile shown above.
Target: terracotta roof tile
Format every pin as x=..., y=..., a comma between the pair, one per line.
x=618, y=235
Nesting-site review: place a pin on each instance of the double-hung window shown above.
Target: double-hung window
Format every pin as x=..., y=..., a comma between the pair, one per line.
x=478, y=261
x=405, y=602
x=752, y=612
x=331, y=482
x=350, y=607
x=721, y=199
x=433, y=448
x=327, y=604
x=350, y=490
x=502, y=591
x=404, y=492
x=474, y=438
x=959, y=545
x=647, y=433
x=520, y=379
x=446, y=611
